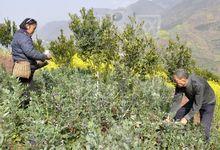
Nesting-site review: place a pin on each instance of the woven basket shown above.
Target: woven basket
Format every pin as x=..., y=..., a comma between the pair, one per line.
x=22, y=69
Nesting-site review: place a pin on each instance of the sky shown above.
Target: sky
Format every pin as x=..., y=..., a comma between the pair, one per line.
x=45, y=11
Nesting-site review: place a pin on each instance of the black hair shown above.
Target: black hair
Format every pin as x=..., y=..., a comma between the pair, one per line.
x=27, y=21
x=181, y=73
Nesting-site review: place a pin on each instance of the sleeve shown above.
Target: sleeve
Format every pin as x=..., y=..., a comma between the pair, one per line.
x=197, y=104
x=176, y=105
x=28, y=49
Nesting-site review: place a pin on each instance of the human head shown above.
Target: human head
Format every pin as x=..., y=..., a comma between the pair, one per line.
x=180, y=77
x=29, y=25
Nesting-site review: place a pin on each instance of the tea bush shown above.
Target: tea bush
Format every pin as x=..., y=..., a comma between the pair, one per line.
x=72, y=110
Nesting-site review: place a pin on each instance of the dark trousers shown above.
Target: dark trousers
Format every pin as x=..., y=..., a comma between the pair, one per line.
x=206, y=116
x=26, y=95
x=28, y=81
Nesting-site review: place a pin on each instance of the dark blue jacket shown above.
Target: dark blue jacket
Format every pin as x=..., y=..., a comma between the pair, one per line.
x=23, y=48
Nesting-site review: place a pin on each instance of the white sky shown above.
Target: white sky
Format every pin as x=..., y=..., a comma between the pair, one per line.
x=51, y=10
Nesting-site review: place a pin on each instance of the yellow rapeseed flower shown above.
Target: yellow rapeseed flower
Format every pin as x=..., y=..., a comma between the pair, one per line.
x=77, y=62
x=52, y=65
x=216, y=87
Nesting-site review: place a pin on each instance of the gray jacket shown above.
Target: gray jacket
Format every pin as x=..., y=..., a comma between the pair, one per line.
x=23, y=48
x=199, y=93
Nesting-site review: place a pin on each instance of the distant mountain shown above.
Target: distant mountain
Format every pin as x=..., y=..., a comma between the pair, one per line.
x=145, y=7
x=102, y=11
x=166, y=4
x=198, y=23
x=184, y=10
x=52, y=30
x=142, y=7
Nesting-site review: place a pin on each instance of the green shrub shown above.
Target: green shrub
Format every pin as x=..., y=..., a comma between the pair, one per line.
x=5, y=32
x=139, y=53
x=70, y=109
x=63, y=49
x=38, y=45
x=206, y=74
x=178, y=55
x=102, y=44
x=96, y=40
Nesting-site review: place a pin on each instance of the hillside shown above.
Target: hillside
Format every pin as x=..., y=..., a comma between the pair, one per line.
x=166, y=4
x=52, y=30
x=186, y=9
x=143, y=7
x=197, y=21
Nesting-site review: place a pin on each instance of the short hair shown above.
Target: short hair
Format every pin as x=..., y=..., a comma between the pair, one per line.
x=181, y=73
x=27, y=21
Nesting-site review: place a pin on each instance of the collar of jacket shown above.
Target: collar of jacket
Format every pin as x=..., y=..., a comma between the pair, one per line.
x=189, y=81
x=25, y=32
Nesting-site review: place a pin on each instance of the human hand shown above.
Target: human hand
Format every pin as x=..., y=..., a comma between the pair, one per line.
x=183, y=121
x=41, y=64
x=48, y=54
x=167, y=120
